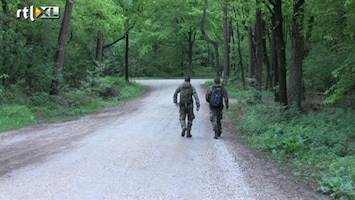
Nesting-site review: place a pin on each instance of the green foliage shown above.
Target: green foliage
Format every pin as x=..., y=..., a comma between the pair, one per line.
x=320, y=78
x=14, y=116
x=339, y=182
x=331, y=45
x=345, y=76
x=313, y=142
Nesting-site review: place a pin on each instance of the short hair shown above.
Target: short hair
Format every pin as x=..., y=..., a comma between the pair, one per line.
x=217, y=80
x=187, y=79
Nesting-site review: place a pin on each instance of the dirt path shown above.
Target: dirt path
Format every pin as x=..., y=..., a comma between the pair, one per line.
x=135, y=151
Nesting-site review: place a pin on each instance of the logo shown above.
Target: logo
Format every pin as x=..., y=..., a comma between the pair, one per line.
x=41, y=12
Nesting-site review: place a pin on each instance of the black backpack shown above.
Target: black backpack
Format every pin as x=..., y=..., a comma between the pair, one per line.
x=216, y=99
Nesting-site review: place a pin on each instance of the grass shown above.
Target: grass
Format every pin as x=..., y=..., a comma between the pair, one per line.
x=15, y=116
x=70, y=105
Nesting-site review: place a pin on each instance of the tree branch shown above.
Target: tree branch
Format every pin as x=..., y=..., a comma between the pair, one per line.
x=119, y=39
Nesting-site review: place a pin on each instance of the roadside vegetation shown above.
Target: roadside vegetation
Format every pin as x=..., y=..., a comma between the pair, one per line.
x=19, y=110
x=318, y=144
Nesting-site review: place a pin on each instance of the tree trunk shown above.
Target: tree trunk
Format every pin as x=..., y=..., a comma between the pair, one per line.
x=259, y=51
x=226, y=43
x=297, y=55
x=274, y=60
x=268, y=80
x=126, y=58
x=240, y=57
x=251, y=71
x=281, y=52
x=100, y=47
x=63, y=35
x=191, y=39
x=5, y=8
x=209, y=40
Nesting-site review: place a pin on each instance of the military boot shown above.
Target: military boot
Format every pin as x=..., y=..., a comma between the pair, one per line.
x=183, y=132
x=188, y=133
x=219, y=132
x=215, y=134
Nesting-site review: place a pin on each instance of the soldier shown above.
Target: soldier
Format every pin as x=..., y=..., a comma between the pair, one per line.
x=185, y=104
x=214, y=97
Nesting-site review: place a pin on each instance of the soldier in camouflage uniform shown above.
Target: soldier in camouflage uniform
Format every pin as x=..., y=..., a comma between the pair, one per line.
x=216, y=112
x=185, y=104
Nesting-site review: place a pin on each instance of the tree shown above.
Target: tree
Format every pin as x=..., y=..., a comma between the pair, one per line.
x=281, y=54
x=187, y=26
x=226, y=42
x=332, y=47
x=206, y=37
x=5, y=8
x=297, y=55
x=252, y=56
x=56, y=83
x=259, y=49
x=239, y=49
x=274, y=55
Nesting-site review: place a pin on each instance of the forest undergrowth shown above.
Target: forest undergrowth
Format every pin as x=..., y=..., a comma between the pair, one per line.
x=317, y=144
x=19, y=109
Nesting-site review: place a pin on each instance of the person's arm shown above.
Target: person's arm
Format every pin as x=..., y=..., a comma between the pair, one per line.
x=226, y=100
x=194, y=93
x=175, y=95
x=208, y=95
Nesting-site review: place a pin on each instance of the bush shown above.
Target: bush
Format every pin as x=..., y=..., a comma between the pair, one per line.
x=16, y=116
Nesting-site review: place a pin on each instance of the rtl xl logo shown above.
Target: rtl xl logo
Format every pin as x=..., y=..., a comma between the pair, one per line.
x=42, y=12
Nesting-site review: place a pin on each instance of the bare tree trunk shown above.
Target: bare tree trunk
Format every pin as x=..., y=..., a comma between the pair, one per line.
x=126, y=58
x=274, y=59
x=259, y=51
x=99, y=47
x=281, y=52
x=251, y=71
x=240, y=57
x=209, y=40
x=191, y=40
x=268, y=80
x=226, y=43
x=297, y=55
x=63, y=35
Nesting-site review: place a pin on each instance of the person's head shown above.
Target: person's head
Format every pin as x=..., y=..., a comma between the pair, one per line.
x=217, y=80
x=187, y=79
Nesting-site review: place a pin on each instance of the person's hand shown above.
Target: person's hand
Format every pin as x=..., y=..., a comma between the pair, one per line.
x=197, y=109
x=226, y=109
x=177, y=105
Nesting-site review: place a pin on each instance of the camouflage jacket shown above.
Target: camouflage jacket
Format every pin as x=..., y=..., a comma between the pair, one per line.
x=193, y=93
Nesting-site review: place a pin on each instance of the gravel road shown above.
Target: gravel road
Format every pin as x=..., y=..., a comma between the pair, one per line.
x=135, y=151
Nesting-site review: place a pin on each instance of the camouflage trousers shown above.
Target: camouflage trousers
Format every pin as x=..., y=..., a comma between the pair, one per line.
x=186, y=111
x=216, y=114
